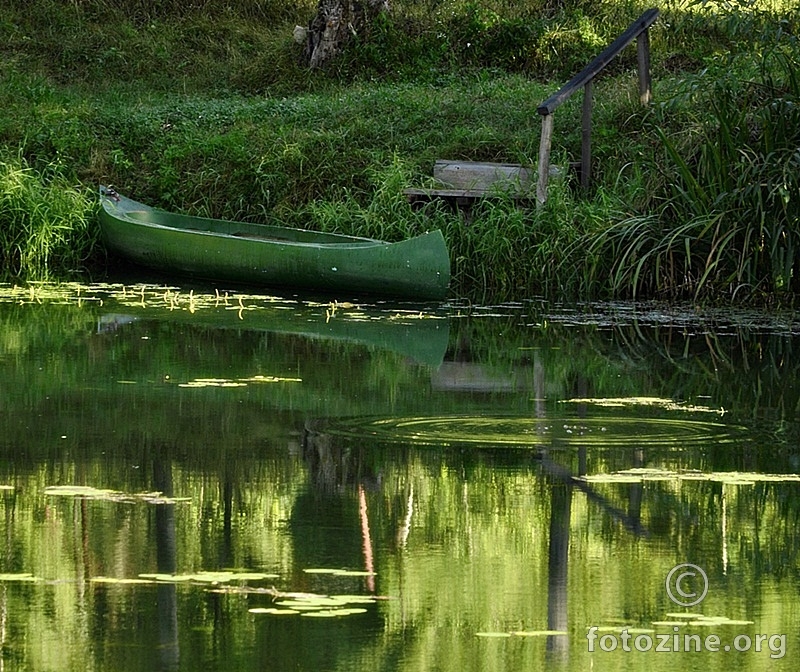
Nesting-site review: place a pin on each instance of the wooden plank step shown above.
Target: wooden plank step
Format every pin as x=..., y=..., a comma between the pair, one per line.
x=461, y=183
x=482, y=177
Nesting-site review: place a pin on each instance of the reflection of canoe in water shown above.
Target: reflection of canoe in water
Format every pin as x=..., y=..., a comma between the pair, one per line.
x=418, y=268
x=422, y=338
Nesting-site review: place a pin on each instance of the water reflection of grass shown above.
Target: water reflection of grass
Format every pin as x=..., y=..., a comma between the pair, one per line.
x=473, y=557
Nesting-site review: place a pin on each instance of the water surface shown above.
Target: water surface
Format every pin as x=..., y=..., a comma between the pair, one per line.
x=188, y=471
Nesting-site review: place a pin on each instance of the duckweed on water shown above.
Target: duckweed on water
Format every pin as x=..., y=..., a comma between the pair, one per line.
x=118, y=582
x=318, y=606
x=677, y=620
x=338, y=572
x=89, y=492
x=625, y=402
x=640, y=475
x=239, y=382
x=208, y=577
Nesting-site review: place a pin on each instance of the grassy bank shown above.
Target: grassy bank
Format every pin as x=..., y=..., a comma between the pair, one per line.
x=209, y=110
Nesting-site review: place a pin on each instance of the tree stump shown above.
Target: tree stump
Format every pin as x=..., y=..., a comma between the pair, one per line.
x=335, y=23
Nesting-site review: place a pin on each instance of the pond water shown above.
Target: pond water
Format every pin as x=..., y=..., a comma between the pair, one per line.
x=195, y=478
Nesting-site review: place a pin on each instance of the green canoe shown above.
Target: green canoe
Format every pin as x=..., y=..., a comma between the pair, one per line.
x=418, y=268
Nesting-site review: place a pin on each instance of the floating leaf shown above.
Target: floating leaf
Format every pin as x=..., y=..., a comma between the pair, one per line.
x=537, y=633
x=224, y=577
x=704, y=621
x=270, y=379
x=493, y=634
x=320, y=570
x=270, y=610
x=314, y=603
x=613, y=628
x=89, y=492
x=338, y=572
x=19, y=577
x=112, y=580
x=330, y=613
x=639, y=475
x=668, y=404
x=210, y=577
x=323, y=605
x=354, y=599
x=80, y=491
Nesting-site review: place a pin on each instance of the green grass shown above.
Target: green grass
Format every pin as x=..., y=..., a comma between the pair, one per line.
x=210, y=111
x=46, y=224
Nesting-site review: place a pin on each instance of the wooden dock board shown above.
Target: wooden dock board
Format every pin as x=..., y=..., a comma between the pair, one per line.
x=461, y=183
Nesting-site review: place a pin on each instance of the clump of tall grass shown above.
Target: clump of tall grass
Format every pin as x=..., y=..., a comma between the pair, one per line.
x=498, y=250
x=46, y=223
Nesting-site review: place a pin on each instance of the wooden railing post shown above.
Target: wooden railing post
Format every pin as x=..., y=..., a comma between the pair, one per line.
x=544, y=158
x=643, y=62
x=638, y=31
x=586, y=136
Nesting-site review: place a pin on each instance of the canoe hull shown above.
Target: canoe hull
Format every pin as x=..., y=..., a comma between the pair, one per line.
x=418, y=268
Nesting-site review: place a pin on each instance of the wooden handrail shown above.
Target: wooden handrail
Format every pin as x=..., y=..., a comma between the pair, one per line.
x=638, y=31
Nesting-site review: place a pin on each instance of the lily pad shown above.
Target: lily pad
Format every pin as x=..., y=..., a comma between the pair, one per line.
x=705, y=621
x=613, y=628
x=271, y=610
x=225, y=577
x=538, y=633
x=80, y=491
x=331, y=613
x=309, y=604
x=320, y=570
x=354, y=599
x=210, y=577
x=114, y=581
x=104, y=494
x=338, y=572
x=317, y=603
x=24, y=577
x=493, y=634
x=639, y=475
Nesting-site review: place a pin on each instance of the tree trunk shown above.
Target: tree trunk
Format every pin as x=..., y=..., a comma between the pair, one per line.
x=335, y=23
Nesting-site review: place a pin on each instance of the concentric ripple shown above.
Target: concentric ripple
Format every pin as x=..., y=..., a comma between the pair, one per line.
x=526, y=431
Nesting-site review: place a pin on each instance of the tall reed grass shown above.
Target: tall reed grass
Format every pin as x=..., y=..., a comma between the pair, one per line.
x=725, y=221
x=47, y=224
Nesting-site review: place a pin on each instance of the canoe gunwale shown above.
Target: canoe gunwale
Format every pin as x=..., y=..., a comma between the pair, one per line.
x=267, y=240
